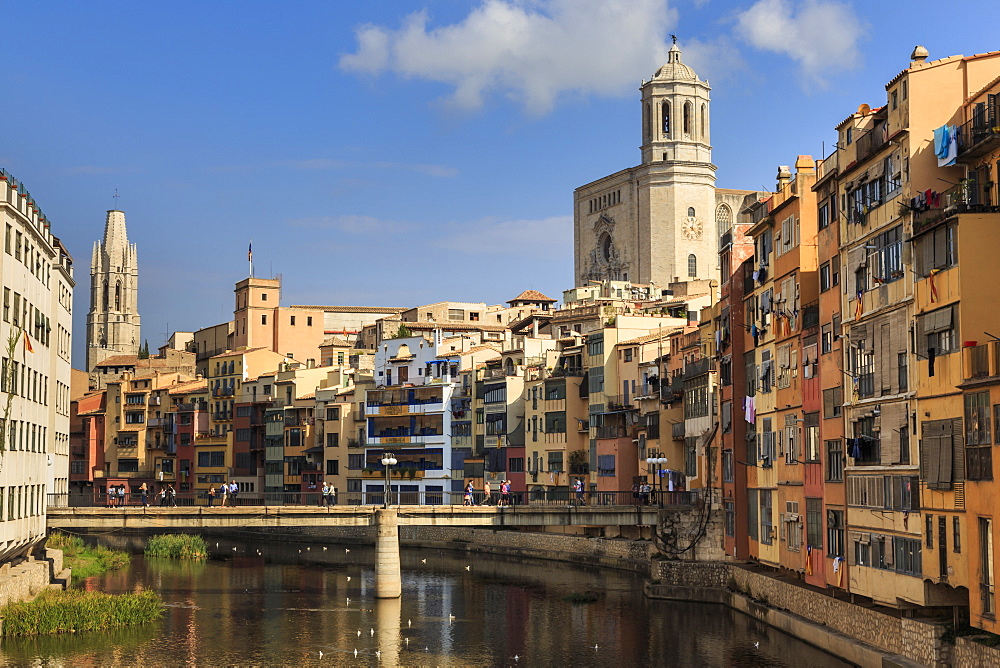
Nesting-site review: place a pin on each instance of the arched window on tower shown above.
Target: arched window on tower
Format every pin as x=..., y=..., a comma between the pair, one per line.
x=688, y=113
x=690, y=212
x=645, y=124
x=723, y=218
x=118, y=296
x=104, y=297
x=692, y=265
x=704, y=113
x=665, y=119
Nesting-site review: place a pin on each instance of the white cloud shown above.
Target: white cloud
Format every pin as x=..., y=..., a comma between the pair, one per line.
x=820, y=35
x=530, y=51
x=525, y=239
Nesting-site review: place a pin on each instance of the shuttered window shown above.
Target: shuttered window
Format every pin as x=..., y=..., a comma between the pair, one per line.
x=942, y=461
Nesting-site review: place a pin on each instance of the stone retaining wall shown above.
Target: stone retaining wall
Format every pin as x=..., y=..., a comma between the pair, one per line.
x=26, y=579
x=970, y=654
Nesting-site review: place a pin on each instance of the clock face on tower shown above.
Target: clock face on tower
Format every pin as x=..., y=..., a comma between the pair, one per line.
x=692, y=228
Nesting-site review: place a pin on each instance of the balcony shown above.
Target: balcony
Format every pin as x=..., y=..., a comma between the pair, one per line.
x=160, y=422
x=698, y=367
x=810, y=315
x=982, y=361
x=978, y=137
x=726, y=240
x=618, y=403
x=677, y=431
x=612, y=431
x=870, y=142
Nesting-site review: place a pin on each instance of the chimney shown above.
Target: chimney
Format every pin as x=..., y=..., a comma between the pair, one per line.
x=919, y=55
x=784, y=176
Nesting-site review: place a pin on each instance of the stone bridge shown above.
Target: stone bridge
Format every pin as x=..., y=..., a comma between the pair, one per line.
x=388, y=579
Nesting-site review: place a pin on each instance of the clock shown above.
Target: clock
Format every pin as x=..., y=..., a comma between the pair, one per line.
x=692, y=228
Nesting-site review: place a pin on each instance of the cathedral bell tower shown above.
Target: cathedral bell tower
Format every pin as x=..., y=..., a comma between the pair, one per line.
x=113, y=320
x=655, y=222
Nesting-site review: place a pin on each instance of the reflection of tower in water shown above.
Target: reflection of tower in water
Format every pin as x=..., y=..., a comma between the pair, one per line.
x=388, y=612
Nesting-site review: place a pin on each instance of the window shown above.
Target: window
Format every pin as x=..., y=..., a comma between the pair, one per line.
x=938, y=466
x=730, y=507
x=728, y=468
x=766, y=525
x=263, y=319
x=833, y=400
x=332, y=440
x=835, y=460
x=824, y=216
x=986, y=578
x=456, y=314
x=956, y=543
x=978, y=451
x=936, y=250
x=810, y=431
x=605, y=465
x=595, y=345
x=826, y=339
x=332, y=467
x=555, y=462
x=692, y=265
x=907, y=556
x=628, y=354
x=515, y=465
x=886, y=259
x=555, y=422
x=866, y=448
x=355, y=462
x=128, y=465
x=555, y=390
x=212, y=458
x=789, y=236
x=752, y=514
x=863, y=367
x=825, y=282
x=309, y=321
x=814, y=523
x=333, y=412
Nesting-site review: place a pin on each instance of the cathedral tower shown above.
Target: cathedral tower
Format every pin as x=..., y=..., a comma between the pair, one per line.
x=113, y=320
x=656, y=223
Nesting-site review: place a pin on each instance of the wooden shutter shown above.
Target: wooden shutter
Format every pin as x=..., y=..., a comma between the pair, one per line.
x=893, y=418
x=957, y=451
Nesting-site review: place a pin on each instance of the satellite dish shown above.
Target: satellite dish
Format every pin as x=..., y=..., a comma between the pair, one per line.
x=864, y=110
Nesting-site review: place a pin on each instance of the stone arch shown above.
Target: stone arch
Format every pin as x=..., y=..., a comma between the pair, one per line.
x=691, y=213
x=665, y=119
x=688, y=119
x=118, y=296
x=704, y=122
x=692, y=265
x=104, y=297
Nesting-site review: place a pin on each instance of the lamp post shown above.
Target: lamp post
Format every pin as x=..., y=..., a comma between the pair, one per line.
x=388, y=461
x=657, y=461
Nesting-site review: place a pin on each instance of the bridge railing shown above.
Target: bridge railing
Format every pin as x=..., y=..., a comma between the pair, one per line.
x=554, y=498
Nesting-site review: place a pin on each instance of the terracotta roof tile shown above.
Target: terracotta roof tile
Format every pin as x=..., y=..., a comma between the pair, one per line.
x=335, y=341
x=355, y=309
x=532, y=296
x=230, y=353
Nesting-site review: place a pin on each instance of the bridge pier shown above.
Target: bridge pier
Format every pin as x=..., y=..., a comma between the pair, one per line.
x=388, y=578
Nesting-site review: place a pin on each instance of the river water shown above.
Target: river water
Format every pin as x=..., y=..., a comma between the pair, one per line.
x=281, y=604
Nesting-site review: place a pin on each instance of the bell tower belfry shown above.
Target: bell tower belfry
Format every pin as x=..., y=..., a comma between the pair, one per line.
x=675, y=105
x=113, y=320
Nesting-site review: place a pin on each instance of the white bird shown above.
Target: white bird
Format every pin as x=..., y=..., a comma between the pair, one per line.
x=756, y=644
x=300, y=551
x=348, y=600
x=515, y=657
x=359, y=633
x=234, y=549
x=308, y=548
x=427, y=649
x=217, y=545
x=423, y=561
x=409, y=623
x=355, y=653
x=595, y=645
x=373, y=632
x=348, y=578
x=407, y=640
x=321, y=654
x=451, y=618
x=347, y=550
x=378, y=653
x=324, y=548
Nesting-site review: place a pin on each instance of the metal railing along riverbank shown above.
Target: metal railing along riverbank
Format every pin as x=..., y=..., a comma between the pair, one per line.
x=396, y=498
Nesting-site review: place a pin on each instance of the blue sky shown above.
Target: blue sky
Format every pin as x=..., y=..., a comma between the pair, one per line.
x=397, y=153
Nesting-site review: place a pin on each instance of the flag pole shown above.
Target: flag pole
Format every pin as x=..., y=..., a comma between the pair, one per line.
x=250, y=257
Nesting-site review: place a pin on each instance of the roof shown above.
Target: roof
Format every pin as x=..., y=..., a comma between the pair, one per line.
x=474, y=349
x=450, y=326
x=532, y=296
x=335, y=341
x=230, y=353
x=133, y=360
x=675, y=69
x=662, y=333
x=356, y=309
x=188, y=387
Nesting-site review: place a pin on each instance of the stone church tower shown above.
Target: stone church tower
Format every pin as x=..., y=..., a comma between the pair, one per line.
x=113, y=320
x=658, y=222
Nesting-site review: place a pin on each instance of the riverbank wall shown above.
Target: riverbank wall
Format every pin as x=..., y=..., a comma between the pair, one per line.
x=25, y=579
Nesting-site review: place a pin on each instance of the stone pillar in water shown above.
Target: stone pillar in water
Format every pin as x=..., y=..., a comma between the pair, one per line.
x=388, y=580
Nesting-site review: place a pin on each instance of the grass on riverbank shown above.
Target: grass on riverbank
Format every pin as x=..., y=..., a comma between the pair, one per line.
x=76, y=610
x=177, y=546
x=86, y=560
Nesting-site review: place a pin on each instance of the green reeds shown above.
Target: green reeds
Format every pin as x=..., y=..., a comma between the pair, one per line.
x=77, y=610
x=86, y=560
x=177, y=546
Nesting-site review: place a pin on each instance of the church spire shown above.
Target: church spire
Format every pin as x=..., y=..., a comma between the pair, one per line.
x=113, y=320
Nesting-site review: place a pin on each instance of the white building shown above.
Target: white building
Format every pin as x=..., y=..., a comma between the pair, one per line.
x=37, y=277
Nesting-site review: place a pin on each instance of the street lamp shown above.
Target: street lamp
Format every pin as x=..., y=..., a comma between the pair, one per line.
x=388, y=461
x=657, y=462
